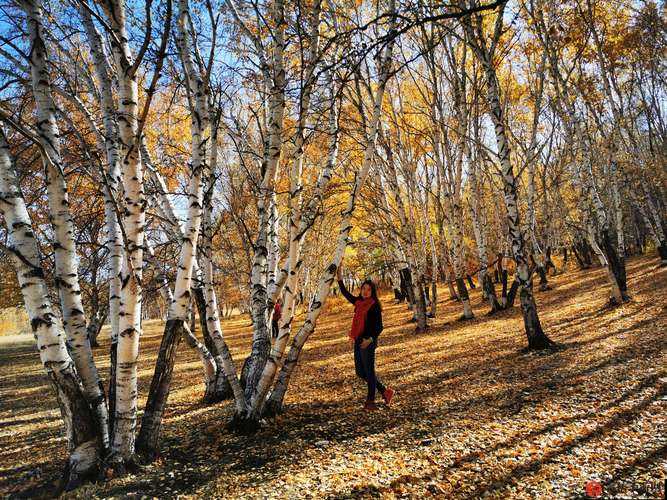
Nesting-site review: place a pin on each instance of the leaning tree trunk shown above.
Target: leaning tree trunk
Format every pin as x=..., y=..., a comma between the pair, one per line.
x=616, y=260
x=220, y=387
x=300, y=223
x=590, y=193
x=616, y=295
x=82, y=431
x=214, y=327
x=434, y=274
x=274, y=403
x=112, y=184
x=537, y=339
x=217, y=387
x=605, y=251
x=67, y=278
x=209, y=364
x=538, y=256
x=177, y=316
x=276, y=81
x=617, y=276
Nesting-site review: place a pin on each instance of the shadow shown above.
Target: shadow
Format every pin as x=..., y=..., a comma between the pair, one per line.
x=495, y=483
x=455, y=373
x=651, y=489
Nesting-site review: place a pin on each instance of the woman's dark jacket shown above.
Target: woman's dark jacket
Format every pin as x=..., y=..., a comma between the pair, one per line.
x=373, y=323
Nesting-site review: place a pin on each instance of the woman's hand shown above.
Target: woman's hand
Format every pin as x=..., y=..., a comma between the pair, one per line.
x=365, y=343
x=339, y=272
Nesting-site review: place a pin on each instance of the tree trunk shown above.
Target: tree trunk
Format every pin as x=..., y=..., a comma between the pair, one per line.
x=659, y=228
x=274, y=403
x=177, y=316
x=66, y=272
x=465, y=298
x=537, y=339
x=217, y=386
x=151, y=423
x=616, y=296
x=95, y=326
x=134, y=221
x=420, y=309
x=261, y=343
x=111, y=187
x=84, y=436
x=300, y=222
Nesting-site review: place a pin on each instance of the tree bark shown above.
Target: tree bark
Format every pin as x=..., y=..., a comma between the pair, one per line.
x=81, y=424
x=67, y=278
x=274, y=403
x=134, y=220
x=177, y=316
x=537, y=339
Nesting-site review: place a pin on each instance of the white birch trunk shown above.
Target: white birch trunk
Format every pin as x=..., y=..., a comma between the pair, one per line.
x=81, y=428
x=259, y=299
x=215, y=330
x=298, y=228
x=537, y=339
x=590, y=233
x=133, y=223
x=178, y=313
x=274, y=249
x=434, y=261
x=275, y=400
x=112, y=185
x=67, y=278
x=113, y=179
x=211, y=365
x=395, y=250
x=574, y=129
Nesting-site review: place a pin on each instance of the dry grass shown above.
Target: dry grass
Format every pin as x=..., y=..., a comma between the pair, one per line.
x=14, y=321
x=473, y=416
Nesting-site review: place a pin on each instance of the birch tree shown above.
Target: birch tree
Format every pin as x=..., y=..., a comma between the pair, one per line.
x=274, y=402
x=67, y=280
x=84, y=436
x=484, y=49
x=198, y=96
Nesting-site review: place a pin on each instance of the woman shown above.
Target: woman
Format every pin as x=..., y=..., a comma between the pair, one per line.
x=277, y=314
x=366, y=327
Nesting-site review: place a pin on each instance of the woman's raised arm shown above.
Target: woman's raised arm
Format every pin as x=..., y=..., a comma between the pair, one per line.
x=346, y=293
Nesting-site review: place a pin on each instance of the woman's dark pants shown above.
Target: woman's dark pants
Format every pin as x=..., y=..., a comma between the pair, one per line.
x=364, y=364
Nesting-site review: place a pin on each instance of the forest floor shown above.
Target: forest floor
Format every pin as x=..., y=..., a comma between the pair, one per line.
x=474, y=415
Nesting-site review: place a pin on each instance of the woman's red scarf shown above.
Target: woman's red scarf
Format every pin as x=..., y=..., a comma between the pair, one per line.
x=361, y=308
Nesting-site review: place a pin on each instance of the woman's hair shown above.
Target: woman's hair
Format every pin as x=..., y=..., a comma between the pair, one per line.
x=374, y=291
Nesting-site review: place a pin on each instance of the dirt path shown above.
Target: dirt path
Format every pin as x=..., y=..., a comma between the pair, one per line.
x=474, y=415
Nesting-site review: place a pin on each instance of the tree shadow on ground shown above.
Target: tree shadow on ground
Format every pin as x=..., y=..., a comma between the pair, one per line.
x=454, y=371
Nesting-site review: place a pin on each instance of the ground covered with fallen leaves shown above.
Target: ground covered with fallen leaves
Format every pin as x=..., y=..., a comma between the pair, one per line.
x=474, y=415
